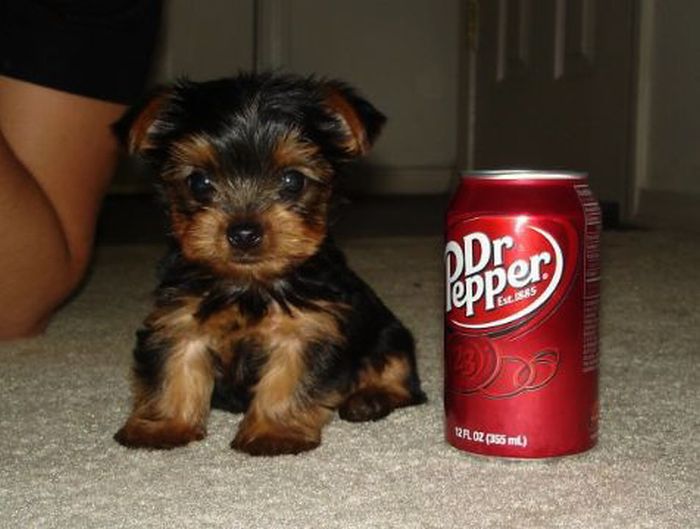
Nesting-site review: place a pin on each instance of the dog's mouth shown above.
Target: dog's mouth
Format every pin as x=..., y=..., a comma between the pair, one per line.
x=246, y=259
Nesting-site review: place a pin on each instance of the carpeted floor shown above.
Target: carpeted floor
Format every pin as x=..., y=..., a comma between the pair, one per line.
x=64, y=394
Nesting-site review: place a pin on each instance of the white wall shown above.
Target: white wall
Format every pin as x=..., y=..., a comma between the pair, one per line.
x=206, y=39
x=403, y=55
x=669, y=91
x=201, y=40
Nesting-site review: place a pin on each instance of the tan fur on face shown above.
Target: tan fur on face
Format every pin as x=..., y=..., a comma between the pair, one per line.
x=291, y=239
x=293, y=152
x=288, y=240
x=203, y=237
x=195, y=150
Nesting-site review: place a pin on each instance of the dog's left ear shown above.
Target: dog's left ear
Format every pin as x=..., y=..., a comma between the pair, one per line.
x=138, y=129
x=359, y=121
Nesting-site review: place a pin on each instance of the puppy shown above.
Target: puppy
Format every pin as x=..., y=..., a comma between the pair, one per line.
x=257, y=310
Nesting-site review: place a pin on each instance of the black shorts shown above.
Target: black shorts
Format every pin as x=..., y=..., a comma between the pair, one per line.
x=95, y=48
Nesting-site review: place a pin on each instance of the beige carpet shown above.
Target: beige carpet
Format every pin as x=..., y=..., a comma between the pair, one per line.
x=63, y=395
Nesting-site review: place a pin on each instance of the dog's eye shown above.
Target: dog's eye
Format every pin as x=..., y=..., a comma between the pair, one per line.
x=292, y=183
x=201, y=185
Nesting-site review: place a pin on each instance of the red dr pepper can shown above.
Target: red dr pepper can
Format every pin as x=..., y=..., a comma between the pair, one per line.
x=522, y=284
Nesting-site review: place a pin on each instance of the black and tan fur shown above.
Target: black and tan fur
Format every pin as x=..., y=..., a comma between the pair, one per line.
x=257, y=310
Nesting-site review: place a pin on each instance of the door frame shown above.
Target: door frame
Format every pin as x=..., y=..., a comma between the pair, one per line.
x=637, y=126
x=467, y=55
x=271, y=34
x=653, y=207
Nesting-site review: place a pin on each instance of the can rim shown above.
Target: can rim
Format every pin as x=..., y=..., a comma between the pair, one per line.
x=525, y=174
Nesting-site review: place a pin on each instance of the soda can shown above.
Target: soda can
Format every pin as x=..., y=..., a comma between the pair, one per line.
x=522, y=297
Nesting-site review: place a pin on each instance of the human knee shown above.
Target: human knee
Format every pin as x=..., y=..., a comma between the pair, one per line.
x=28, y=311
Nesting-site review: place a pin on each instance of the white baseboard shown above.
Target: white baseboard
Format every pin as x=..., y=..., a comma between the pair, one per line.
x=668, y=209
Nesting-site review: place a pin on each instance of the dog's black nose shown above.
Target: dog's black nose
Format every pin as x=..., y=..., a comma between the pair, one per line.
x=245, y=236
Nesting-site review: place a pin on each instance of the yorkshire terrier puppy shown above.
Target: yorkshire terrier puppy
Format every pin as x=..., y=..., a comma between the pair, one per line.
x=257, y=310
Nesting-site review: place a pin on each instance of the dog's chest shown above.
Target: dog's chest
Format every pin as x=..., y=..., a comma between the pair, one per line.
x=246, y=350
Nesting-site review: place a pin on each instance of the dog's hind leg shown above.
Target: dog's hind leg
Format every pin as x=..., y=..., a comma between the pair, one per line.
x=386, y=380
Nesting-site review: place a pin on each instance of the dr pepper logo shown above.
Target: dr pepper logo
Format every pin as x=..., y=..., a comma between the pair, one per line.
x=501, y=270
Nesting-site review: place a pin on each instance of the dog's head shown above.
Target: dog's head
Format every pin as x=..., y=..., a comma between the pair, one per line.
x=246, y=165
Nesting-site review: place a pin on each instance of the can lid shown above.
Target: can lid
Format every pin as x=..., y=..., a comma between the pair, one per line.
x=525, y=174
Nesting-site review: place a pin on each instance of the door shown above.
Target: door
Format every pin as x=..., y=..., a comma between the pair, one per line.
x=554, y=89
x=199, y=40
x=403, y=55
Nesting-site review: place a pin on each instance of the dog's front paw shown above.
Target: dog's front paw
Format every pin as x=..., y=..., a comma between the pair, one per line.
x=272, y=443
x=161, y=434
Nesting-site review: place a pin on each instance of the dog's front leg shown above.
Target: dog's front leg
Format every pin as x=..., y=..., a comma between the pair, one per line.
x=172, y=387
x=284, y=416
x=289, y=431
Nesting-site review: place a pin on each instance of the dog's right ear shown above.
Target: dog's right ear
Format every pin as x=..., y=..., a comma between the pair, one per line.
x=138, y=129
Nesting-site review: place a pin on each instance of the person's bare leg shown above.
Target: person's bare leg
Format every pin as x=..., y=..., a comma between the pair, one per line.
x=57, y=155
